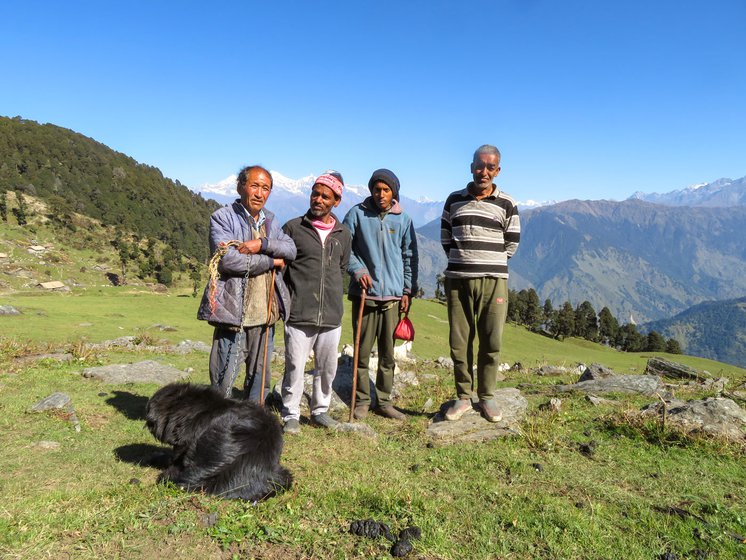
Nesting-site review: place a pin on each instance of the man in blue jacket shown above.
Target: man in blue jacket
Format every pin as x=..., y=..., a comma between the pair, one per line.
x=238, y=307
x=384, y=263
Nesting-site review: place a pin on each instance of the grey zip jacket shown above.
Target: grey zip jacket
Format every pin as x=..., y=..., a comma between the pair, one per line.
x=231, y=223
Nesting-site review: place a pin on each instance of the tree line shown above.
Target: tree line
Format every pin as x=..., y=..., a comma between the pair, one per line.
x=582, y=321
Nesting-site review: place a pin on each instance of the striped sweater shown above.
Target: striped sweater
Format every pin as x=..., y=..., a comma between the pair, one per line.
x=479, y=236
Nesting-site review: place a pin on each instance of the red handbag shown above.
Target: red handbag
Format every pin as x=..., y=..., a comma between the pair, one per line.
x=404, y=329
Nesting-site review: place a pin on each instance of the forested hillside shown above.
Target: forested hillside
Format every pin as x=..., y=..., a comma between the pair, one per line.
x=74, y=173
x=712, y=329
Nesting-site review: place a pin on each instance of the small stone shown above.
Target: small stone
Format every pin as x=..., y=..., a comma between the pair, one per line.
x=551, y=371
x=209, y=519
x=595, y=372
x=54, y=401
x=553, y=405
x=537, y=466
x=103, y=394
x=47, y=445
x=135, y=481
x=8, y=310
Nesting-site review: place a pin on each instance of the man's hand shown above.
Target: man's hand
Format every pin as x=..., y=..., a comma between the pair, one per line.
x=251, y=247
x=366, y=282
x=404, y=304
x=279, y=263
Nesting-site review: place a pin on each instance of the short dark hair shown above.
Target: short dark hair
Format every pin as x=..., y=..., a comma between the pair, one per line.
x=243, y=175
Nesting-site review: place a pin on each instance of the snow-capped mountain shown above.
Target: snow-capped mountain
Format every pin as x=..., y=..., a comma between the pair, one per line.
x=290, y=198
x=720, y=193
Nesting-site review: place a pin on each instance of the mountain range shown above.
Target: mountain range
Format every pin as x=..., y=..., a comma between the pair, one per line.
x=720, y=193
x=647, y=258
x=290, y=198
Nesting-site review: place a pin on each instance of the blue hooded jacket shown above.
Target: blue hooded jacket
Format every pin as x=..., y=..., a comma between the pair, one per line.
x=384, y=246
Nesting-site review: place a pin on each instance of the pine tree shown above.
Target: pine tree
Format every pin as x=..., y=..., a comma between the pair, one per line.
x=655, y=342
x=196, y=278
x=548, y=316
x=20, y=211
x=629, y=338
x=565, y=323
x=440, y=289
x=586, y=324
x=533, y=313
x=608, y=326
x=673, y=346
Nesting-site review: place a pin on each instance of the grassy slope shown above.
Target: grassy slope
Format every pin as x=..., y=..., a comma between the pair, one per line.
x=475, y=501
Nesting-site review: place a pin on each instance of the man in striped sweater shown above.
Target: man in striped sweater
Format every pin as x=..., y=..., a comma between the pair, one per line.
x=480, y=231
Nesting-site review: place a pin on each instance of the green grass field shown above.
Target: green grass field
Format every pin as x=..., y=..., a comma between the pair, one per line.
x=529, y=496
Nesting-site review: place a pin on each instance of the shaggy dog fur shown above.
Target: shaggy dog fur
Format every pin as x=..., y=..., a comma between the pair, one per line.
x=222, y=446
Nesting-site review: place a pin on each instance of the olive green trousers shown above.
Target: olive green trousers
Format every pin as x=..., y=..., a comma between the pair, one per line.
x=477, y=308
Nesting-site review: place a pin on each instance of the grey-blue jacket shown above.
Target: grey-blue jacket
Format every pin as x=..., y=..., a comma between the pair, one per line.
x=231, y=223
x=384, y=246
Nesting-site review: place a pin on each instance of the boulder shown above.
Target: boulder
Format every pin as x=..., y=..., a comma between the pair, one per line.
x=53, y=285
x=598, y=401
x=61, y=357
x=715, y=416
x=642, y=384
x=147, y=371
x=664, y=368
x=58, y=401
x=187, y=346
x=8, y=310
x=472, y=427
x=551, y=371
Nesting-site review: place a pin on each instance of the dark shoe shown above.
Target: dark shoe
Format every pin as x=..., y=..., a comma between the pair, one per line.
x=458, y=409
x=291, y=427
x=361, y=411
x=389, y=411
x=490, y=410
x=323, y=420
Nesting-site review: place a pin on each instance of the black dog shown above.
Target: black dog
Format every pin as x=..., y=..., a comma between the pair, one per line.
x=222, y=446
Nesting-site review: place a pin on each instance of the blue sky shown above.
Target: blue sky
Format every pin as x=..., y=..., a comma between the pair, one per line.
x=585, y=99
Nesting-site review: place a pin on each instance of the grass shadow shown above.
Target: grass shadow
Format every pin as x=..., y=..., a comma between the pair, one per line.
x=129, y=404
x=144, y=455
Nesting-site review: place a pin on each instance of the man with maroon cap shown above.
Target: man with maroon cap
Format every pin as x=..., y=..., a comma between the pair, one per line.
x=314, y=279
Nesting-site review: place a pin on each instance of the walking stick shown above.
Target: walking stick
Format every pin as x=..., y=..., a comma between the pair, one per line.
x=266, y=334
x=356, y=352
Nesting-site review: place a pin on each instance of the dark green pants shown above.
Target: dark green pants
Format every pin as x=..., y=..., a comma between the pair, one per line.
x=477, y=308
x=378, y=323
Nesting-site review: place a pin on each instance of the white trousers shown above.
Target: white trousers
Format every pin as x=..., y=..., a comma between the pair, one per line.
x=299, y=341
